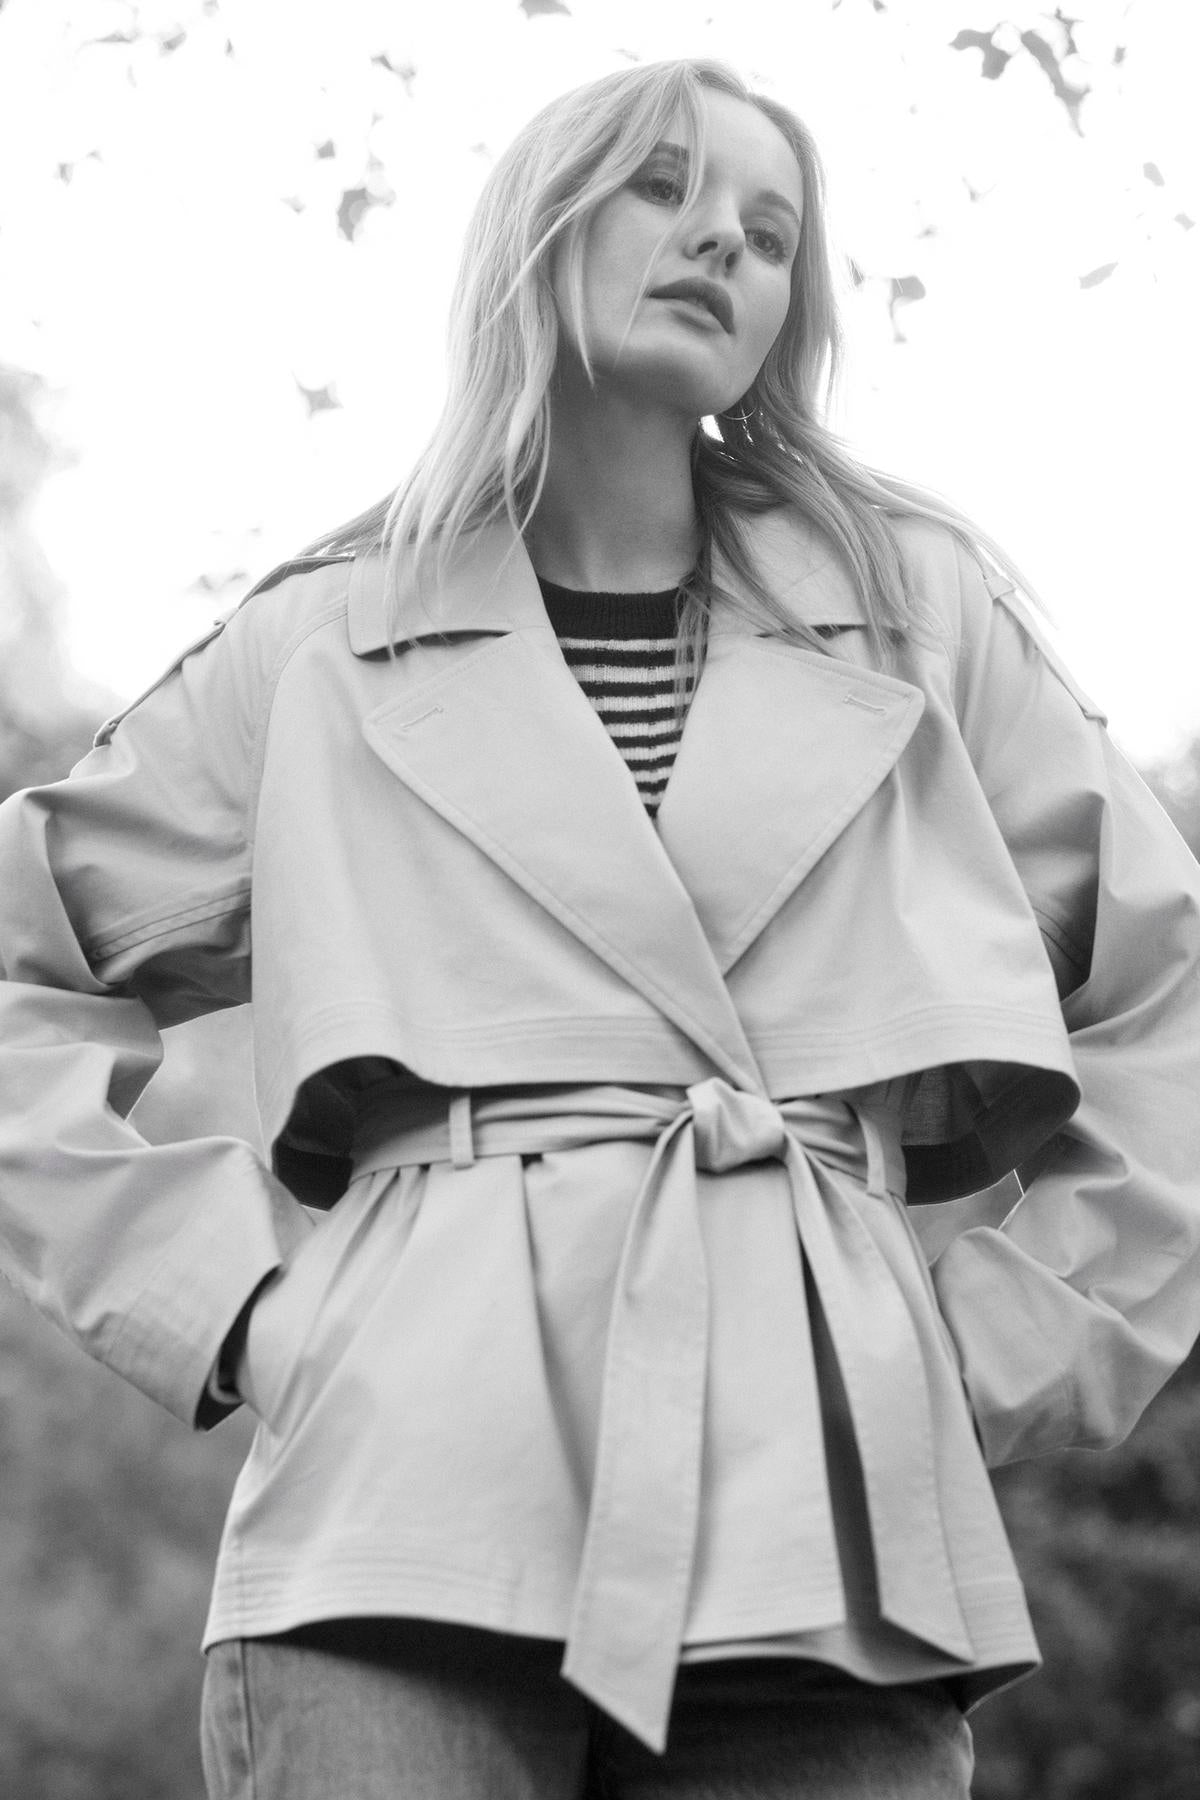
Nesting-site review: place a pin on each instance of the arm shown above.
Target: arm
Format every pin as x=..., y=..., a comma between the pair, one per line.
x=124, y=906
x=1070, y=1315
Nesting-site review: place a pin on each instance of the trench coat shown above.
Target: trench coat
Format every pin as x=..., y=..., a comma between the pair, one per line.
x=622, y=1227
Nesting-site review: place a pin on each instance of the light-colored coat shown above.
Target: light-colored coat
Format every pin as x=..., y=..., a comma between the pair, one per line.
x=938, y=891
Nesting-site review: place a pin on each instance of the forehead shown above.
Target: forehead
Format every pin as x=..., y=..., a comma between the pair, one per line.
x=743, y=142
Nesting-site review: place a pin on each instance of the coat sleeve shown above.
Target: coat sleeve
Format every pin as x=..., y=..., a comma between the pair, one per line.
x=1070, y=1315
x=124, y=906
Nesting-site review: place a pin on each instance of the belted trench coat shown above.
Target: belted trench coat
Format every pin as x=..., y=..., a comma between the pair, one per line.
x=625, y=1282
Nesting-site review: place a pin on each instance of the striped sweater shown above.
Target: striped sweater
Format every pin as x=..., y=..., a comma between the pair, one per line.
x=621, y=650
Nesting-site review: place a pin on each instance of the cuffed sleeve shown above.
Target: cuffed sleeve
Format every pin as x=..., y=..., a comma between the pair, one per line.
x=1070, y=1315
x=124, y=906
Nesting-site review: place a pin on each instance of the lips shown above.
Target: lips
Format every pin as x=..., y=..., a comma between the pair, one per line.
x=706, y=293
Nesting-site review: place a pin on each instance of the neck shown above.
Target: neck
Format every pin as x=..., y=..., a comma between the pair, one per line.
x=617, y=513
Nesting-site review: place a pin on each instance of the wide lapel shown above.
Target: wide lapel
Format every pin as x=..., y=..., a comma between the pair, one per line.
x=505, y=746
x=783, y=746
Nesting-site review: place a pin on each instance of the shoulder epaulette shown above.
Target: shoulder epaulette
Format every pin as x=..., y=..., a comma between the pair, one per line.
x=299, y=565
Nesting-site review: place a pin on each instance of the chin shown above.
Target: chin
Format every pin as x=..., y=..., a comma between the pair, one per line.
x=676, y=382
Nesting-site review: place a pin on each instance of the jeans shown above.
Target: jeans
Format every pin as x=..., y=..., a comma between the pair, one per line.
x=407, y=1710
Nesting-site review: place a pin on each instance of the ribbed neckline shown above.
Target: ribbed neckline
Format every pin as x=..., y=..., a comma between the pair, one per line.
x=575, y=613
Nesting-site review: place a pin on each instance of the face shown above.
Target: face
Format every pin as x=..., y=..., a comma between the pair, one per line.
x=737, y=242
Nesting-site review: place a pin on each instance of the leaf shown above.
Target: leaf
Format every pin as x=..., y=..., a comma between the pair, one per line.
x=1068, y=26
x=901, y=290
x=995, y=60
x=327, y=149
x=1181, y=218
x=322, y=399
x=1094, y=277
x=1047, y=62
x=355, y=204
x=208, y=583
x=531, y=8
x=1153, y=173
x=405, y=72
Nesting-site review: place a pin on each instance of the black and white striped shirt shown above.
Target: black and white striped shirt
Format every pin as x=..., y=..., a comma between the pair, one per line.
x=621, y=650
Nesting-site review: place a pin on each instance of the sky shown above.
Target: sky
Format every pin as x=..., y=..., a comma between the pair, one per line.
x=171, y=263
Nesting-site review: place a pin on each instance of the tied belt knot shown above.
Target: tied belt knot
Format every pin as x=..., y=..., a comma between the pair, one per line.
x=731, y=1127
x=629, y=1614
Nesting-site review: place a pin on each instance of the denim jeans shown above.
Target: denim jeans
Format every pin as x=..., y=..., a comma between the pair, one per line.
x=405, y=1710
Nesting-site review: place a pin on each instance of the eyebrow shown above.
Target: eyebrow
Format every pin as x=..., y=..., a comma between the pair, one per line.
x=764, y=196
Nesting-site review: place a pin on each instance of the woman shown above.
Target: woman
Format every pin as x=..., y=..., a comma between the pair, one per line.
x=611, y=1048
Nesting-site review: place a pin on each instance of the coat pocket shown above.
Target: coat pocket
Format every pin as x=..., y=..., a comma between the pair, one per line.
x=299, y=1322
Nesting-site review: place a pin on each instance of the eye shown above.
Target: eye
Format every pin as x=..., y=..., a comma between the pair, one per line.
x=769, y=241
x=660, y=186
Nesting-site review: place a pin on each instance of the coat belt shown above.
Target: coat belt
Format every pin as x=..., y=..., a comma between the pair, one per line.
x=631, y=1598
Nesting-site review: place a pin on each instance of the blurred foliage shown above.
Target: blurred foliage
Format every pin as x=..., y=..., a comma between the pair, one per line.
x=1177, y=786
x=46, y=718
x=109, y=1517
x=110, y=1511
x=1109, y=1548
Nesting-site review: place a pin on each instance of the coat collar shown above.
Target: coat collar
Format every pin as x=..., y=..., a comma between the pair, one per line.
x=491, y=587
x=783, y=746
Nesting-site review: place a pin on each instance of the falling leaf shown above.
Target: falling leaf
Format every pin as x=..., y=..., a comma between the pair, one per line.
x=353, y=207
x=531, y=8
x=995, y=60
x=208, y=583
x=1071, y=97
x=65, y=171
x=901, y=290
x=1068, y=26
x=171, y=42
x=1181, y=218
x=322, y=399
x=327, y=149
x=1153, y=173
x=405, y=72
x=1094, y=277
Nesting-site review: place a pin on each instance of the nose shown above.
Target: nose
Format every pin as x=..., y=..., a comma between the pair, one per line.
x=718, y=235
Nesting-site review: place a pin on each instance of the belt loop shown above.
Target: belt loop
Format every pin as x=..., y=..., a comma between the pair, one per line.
x=462, y=1143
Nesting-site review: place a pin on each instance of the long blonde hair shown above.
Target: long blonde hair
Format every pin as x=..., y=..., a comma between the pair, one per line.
x=488, y=454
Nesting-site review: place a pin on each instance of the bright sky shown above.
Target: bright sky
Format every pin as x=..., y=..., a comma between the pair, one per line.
x=178, y=286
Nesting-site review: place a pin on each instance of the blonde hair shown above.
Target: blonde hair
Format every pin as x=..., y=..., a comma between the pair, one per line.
x=488, y=454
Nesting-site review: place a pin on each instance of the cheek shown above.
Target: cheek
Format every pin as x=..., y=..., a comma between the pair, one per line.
x=768, y=326
x=618, y=249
